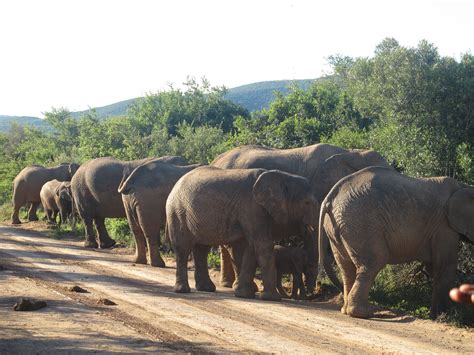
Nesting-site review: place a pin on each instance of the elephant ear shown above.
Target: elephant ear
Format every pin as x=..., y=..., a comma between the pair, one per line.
x=271, y=191
x=72, y=168
x=461, y=212
x=358, y=159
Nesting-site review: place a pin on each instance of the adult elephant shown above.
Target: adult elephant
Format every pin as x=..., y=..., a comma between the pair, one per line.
x=28, y=183
x=94, y=191
x=378, y=216
x=322, y=164
x=239, y=207
x=144, y=193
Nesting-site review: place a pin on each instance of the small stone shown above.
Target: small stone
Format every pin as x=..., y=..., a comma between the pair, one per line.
x=78, y=289
x=106, y=302
x=26, y=305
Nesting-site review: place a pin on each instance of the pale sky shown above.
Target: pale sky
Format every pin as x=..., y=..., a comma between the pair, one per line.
x=89, y=53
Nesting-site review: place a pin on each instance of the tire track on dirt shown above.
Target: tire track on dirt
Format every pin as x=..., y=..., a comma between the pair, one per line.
x=220, y=322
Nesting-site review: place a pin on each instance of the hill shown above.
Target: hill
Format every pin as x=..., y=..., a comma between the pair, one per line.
x=253, y=97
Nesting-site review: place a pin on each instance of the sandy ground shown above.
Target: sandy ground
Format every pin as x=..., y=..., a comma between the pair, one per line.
x=149, y=317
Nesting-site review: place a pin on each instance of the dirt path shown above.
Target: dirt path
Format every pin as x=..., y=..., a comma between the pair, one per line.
x=150, y=317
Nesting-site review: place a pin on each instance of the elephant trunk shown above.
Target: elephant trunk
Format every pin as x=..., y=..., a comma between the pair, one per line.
x=324, y=260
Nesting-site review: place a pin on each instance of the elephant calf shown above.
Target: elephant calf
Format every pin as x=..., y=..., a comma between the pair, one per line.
x=378, y=216
x=236, y=207
x=292, y=261
x=56, y=198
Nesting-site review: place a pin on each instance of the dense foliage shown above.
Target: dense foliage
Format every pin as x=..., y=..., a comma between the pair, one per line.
x=412, y=105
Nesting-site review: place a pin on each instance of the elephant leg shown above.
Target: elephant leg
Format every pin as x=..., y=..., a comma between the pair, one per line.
x=55, y=217
x=298, y=286
x=348, y=271
x=104, y=240
x=266, y=260
x=182, y=285
x=152, y=237
x=90, y=241
x=49, y=215
x=358, y=297
x=140, y=243
x=227, y=270
x=201, y=271
x=15, y=214
x=32, y=211
x=244, y=286
x=444, y=273
x=280, y=287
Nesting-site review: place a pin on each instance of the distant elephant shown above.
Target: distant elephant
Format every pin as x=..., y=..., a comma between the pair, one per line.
x=291, y=261
x=28, y=183
x=94, y=191
x=144, y=193
x=322, y=164
x=211, y=206
x=378, y=216
x=63, y=198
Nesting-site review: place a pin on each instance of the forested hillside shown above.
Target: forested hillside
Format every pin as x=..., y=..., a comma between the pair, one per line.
x=252, y=97
x=412, y=105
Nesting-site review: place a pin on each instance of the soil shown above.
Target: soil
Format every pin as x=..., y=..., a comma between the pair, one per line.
x=149, y=316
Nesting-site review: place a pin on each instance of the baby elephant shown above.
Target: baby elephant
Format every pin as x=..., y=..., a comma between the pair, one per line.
x=291, y=261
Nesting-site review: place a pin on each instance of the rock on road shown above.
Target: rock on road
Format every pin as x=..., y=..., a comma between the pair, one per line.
x=149, y=316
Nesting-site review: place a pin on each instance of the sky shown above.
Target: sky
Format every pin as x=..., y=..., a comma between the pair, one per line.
x=90, y=53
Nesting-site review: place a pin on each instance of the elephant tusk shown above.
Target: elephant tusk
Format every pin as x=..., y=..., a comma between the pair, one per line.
x=310, y=228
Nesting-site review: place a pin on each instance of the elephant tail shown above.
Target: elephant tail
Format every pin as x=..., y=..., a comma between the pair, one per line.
x=124, y=186
x=324, y=258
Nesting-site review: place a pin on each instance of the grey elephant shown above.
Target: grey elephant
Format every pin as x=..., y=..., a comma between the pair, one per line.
x=237, y=207
x=94, y=191
x=144, y=193
x=322, y=164
x=63, y=198
x=28, y=183
x=291, y=261
x=378, y=216
x=56, y=200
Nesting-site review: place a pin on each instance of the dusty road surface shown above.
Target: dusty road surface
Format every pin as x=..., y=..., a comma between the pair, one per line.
x=148, y=316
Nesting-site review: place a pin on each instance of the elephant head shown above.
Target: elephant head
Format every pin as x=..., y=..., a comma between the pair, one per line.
x=340, y=165
x=460, y=212
x=286, y=197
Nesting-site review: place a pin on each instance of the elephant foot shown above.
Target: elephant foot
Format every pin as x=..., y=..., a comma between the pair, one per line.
x=181, y=288
x=91, y=244
x=269, y=296
x=16, y=221
x=157, y=262
x=206, y=286
x=108, y=244
x=253, y=285
x=358, y=311
x=139, y=259
x=226, y=283
x=32, y=218
x=244, y=292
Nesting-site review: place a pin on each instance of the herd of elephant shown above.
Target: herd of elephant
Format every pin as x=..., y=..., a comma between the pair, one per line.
x=350, y=202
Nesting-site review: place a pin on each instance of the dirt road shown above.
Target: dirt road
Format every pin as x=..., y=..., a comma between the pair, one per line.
x=148, y=316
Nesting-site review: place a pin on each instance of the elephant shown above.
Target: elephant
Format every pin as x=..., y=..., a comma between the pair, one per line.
x=210, y=206
x=322, y=164
x=294, y=261
x=144, y=193
x=63, y=198
x=378, y=216
x=28, y=183
x=94, y=191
